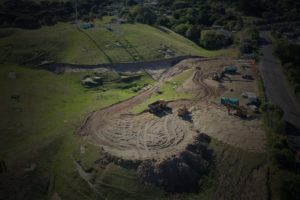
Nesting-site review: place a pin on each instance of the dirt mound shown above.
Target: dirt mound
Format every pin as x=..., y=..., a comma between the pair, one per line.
x=144, y=136
x=179, y=173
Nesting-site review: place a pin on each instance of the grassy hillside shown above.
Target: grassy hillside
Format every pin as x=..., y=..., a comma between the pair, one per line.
x=125, y=43
x=39, y=129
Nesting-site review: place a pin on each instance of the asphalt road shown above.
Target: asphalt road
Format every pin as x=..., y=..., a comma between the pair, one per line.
x=277, y=91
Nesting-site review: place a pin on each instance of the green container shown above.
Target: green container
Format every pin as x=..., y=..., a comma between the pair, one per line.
x=224, y=100
x=232, y=102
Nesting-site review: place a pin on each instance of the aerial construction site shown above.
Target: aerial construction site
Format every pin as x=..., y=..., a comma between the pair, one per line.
x=166, y=130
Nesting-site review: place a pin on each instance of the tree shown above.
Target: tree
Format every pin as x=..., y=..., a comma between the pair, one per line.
x=193, y=33
x=179, y=4
x=163, y=21
x=212, y=39
x=143, y=14
x=181, y=29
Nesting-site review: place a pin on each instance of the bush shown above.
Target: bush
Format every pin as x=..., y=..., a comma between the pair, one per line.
x=143, y=14
x=193, y=33
x=211, y=39
x=181, y=28
x=163, y=21
x=27, y=22
x=283, y=158
x=286, y=185
x=273, y=118
x=286, y=51
x=179, y=4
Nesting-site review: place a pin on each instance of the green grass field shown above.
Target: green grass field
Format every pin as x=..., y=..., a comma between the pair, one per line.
x=126, y=43
x=168, y=92
x=40, y=128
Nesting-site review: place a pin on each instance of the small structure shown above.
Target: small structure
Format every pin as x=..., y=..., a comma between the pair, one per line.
x=86, y=26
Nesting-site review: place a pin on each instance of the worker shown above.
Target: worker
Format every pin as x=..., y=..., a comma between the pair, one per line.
x=228, y=109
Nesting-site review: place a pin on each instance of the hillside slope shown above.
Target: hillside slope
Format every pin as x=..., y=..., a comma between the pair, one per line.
x=103, y=43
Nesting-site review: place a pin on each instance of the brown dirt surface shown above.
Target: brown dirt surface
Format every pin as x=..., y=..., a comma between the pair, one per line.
x=146, y=136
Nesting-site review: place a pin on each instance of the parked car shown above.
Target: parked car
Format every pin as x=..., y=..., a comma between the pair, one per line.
x=247, y=76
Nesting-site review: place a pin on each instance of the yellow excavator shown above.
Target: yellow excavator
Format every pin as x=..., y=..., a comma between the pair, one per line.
x=182, y=111
x=157, y=106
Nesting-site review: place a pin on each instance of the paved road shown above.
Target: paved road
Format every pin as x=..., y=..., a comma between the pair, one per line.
x=276, y=90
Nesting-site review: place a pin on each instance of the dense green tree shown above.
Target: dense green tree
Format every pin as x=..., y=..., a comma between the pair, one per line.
x=181, y=28
x=163, y=21
x=143, y=14
x=193, y=33
x=212, y=39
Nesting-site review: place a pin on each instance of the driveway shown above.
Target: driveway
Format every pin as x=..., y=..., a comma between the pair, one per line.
x=277, y=91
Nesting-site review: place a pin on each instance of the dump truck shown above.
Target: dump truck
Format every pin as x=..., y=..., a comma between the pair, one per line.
x=157, y=106
x=182, y=111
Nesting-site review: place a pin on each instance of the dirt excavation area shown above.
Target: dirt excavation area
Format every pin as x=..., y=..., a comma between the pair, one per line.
x=161, y=135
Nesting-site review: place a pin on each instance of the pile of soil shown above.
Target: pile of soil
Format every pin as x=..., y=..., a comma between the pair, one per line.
x=179, y=173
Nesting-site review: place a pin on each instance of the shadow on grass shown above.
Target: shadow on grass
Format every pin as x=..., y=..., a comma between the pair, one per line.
x=97, y=45
x=162, y=29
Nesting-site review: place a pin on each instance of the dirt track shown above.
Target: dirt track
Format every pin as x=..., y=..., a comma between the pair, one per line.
x=146, y=135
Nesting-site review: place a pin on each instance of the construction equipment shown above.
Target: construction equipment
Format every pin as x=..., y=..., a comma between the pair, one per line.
x=234, y=104
x=217, y=76
x=157, y=106
x=182, y=111
x=241, y=111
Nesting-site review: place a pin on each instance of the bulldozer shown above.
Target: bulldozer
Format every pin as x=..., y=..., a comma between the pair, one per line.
x=157, y=106
x=182, y=111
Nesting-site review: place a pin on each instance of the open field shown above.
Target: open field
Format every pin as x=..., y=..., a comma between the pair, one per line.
x=125, y=43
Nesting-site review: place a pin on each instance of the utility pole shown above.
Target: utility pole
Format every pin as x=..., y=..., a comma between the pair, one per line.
x=76, y=14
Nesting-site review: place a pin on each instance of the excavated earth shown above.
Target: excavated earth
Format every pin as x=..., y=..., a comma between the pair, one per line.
x=145, y=136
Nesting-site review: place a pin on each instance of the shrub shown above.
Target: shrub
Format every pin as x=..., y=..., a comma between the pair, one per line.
x=283, y=158
x=193, y=33
x=286, y=185
x=181, y=28
x=211, y=39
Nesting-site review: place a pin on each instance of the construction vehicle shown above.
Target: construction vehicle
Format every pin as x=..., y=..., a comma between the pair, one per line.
x=234, y=104
x=182, y=111
x=217, y=76
x=157, y=106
